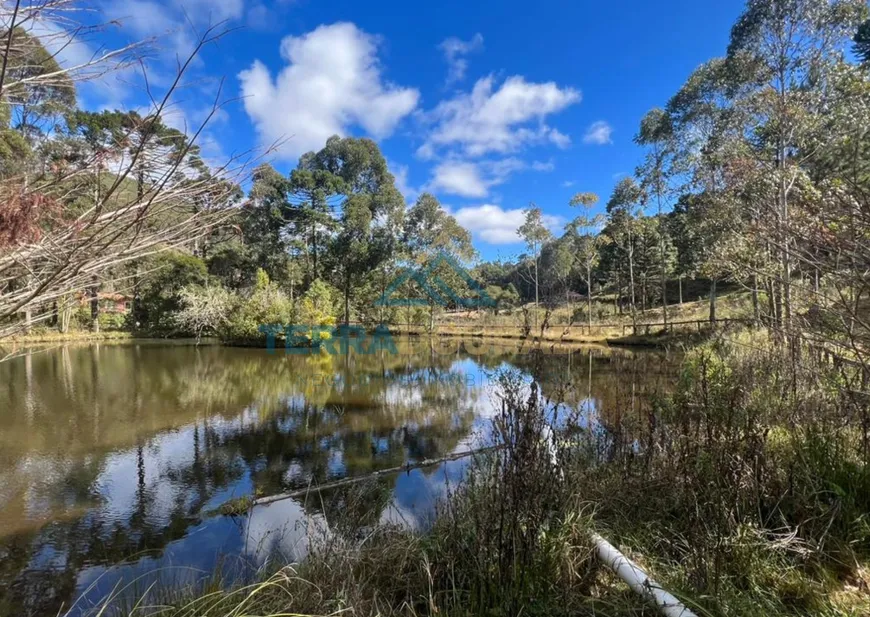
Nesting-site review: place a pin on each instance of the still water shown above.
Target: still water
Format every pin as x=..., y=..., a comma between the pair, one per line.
x=112, y=457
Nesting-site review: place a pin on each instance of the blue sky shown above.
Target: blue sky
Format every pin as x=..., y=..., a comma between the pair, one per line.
x=489, y=105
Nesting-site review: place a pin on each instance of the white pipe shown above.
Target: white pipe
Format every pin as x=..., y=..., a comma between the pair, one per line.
x=638, y=580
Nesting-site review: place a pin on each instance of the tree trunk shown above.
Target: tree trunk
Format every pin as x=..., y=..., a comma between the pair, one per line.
x=631, y=277
x=713, y=301
x=347, y=301
x=536, y=286
x=589, y=295
x=95, y=307
x=756, y=309
x=680, y=279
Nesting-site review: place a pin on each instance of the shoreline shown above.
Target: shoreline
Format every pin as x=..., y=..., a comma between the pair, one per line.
x=555, y=337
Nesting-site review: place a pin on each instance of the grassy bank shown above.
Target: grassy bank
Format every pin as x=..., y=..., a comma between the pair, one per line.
x=746, y=493
x=51, y=336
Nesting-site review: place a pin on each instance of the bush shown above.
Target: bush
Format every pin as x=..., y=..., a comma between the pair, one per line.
x=319, y=305
x=112, y=321
x=266, y=304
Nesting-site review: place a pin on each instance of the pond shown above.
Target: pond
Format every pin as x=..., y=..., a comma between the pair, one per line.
x=113, y=457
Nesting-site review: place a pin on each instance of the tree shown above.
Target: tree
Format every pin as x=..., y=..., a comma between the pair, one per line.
x=623, y=208
x=168, y=274
x=535, y=234
x=588, y=242
x=429, y=233
x=707, y=127
x=503, y=297
x=81, y=233
x=656, y=132
x=372, y=209
x=785, y=51
x=862, y=42
x=204, y=309
x=37, y=89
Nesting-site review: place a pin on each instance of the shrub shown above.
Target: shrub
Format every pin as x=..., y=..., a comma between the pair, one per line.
x=266, y=304
x=112, y=321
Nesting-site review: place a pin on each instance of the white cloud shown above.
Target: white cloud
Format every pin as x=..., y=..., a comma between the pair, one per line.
x=495, y=225
x=400, y=172
x=546, y=166
x=568, y=184
x=472, y=179
x=212, y=11
x=503, y=119
x=599, y=134
x=260, y=17
x=459, y=178
x=455, y=50
x=332, y=82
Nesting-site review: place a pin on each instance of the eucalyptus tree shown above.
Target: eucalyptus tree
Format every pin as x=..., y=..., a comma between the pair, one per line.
x=833, y=242
x=623, y=209
x=588, y=242
x=429, y=233
x=712, y=228
x=657, y=134
x=535, y=234
x=785, y=50
x=371, y=209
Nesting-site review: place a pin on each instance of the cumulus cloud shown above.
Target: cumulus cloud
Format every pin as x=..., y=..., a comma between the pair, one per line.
x=332, y=82
x=568, y=184
x=455, y=51
x=472, y=179
x=495, y=225
x=498, y=119
x=459, y=178
x=599, y=134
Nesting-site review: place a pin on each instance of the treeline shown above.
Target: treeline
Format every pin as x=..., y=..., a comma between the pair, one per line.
x=754, y=173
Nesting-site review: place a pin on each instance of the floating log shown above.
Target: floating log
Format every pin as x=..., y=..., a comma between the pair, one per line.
x=264, y=501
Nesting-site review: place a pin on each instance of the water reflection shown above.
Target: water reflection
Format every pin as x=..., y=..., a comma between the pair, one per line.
x=113, y=453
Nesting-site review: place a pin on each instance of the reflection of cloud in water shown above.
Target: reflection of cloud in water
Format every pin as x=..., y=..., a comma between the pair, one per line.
x=282, y=529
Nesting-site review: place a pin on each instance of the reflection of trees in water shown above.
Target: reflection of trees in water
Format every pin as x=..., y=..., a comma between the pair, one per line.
x=180, y=425
x=78, y=412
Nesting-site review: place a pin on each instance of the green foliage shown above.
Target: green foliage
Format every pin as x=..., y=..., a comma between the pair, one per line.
x=37, y=104
x=319, y=305
x=264, y=305
x=862, y=42
x=112, y=321
x=160, y=291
